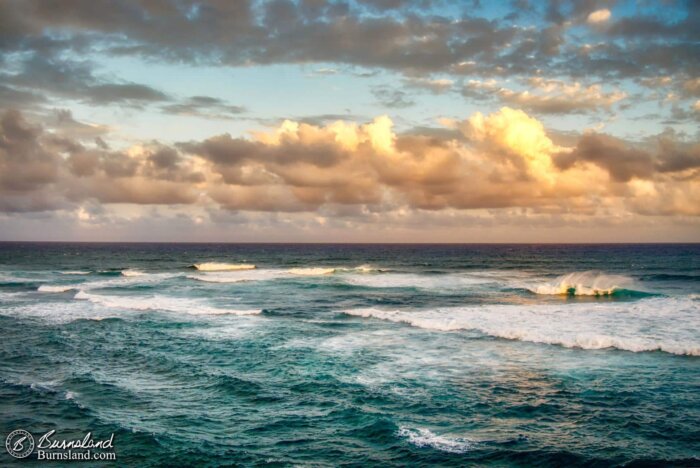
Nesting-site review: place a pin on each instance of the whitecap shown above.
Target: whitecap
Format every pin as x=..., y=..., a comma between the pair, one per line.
x=132, y=273
x=583, y=283
x=312, y=271
x=425, y=438
x=219, y=266
x=646, y=325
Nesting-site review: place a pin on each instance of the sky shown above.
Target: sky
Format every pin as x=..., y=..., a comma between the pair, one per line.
x=350, y=121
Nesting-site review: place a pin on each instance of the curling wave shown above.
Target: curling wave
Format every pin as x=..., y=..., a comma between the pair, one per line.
x=587, y=283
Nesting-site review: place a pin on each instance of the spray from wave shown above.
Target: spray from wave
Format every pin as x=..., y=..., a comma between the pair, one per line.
x=219, y=266
x=586, y=283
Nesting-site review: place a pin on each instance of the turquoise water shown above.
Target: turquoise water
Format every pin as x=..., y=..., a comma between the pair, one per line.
x=356, y=355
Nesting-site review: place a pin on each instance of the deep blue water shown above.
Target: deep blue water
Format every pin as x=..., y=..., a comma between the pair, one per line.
x=357, y=355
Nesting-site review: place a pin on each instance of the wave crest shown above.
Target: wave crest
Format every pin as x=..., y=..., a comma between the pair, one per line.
x=220, y=266
x=132, y=273
x=584, y=283
x=314, y=271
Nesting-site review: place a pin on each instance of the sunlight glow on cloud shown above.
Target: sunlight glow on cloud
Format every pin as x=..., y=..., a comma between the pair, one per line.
x=599, y=16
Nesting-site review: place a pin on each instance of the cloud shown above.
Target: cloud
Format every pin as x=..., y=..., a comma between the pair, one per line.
x=71, y=79
x=436, y=86
x=409, y=37
x=599, y=16
x=391, y=97
x=497, y=161
x=547, y=96
x=204, y=106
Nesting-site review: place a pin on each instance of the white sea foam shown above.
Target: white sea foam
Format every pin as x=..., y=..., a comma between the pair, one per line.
x=414, y=280
x=671, y=325
x=238, y=276
x=75, y=272
x=313, y=271
x=425, y=438
x=59, y=312
x=583, y=283
x=131, y=273
x=57, y=288
x=219, y=266
x=159, y=302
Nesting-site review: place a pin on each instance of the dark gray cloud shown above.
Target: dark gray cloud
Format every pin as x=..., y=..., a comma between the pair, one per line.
x=204, y=106
x=611, y=154
x=73, y=79
x=624, y=161
x=407, y=36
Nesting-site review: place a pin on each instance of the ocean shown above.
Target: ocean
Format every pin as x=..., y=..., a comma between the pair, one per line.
x=356, y=355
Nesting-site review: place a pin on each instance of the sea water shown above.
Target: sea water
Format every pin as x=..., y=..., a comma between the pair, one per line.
x=247, y=354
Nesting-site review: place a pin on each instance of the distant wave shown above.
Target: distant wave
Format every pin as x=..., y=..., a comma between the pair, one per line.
x=646, y=325
x=58, y=288
x=425, y=438
x=311, y=271
x=75, y=272
x=130, y=272
x=218, y=266
x=587, y=283
x=166, y=303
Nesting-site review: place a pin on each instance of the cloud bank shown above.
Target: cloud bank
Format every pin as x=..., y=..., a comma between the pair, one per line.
x=502, y=160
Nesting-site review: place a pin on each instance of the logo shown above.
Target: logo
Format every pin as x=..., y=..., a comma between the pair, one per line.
x=19, y=444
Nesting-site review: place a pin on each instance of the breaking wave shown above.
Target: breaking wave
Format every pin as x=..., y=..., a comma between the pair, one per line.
x=587, y=283
x=311, y=271
x=131, y=273
x=160, y=303
x=218, y=266
x=646, y=325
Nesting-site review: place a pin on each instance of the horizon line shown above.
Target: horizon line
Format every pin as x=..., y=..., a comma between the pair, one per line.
x=339, y=243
